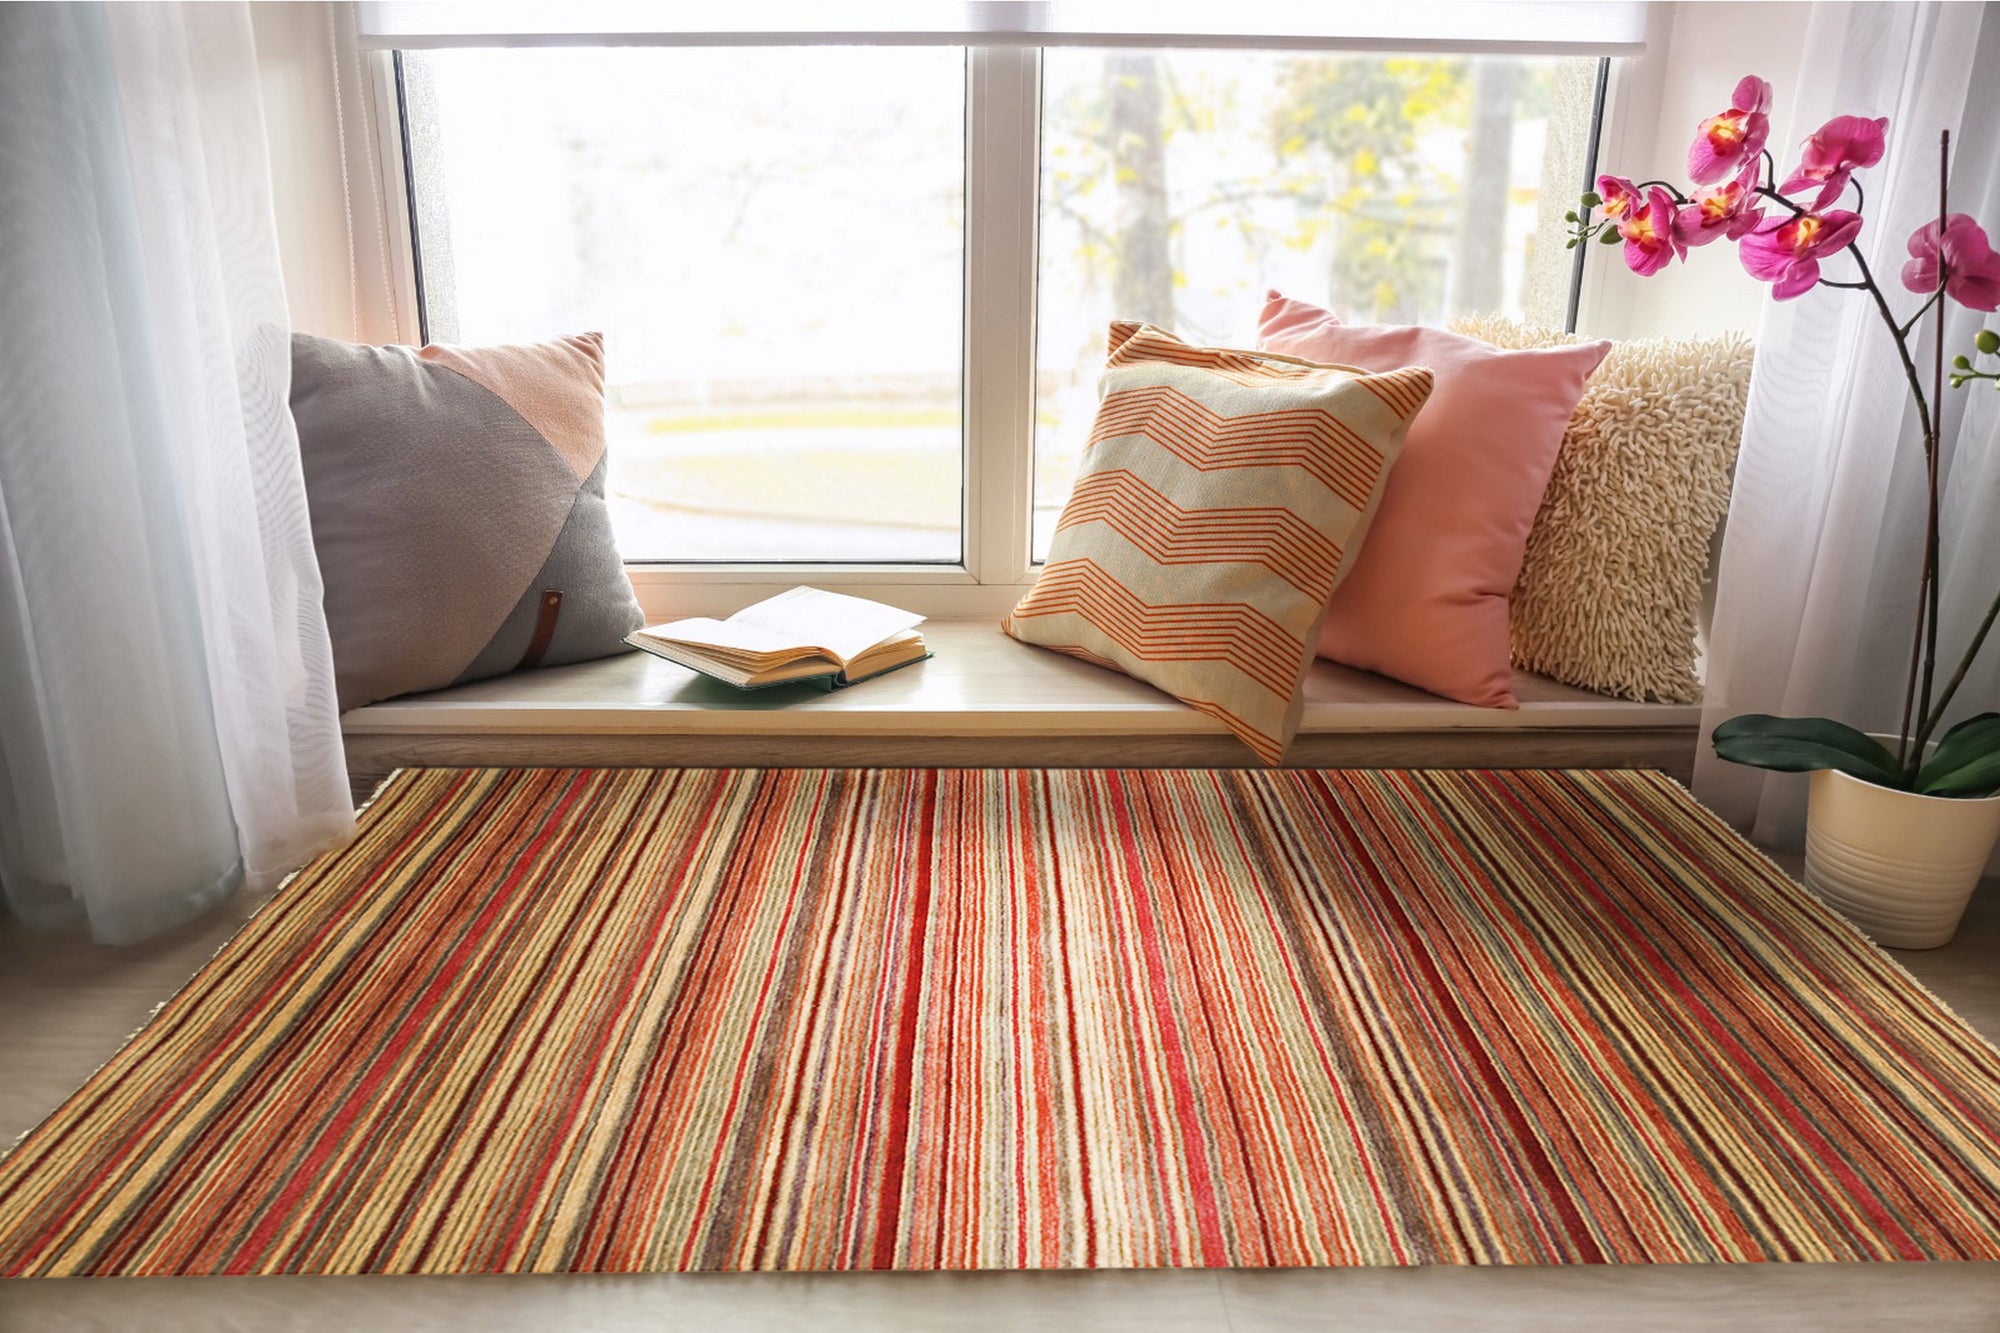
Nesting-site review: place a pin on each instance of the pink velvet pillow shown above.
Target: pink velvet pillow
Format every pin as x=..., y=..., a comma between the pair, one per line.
x=1426, y=601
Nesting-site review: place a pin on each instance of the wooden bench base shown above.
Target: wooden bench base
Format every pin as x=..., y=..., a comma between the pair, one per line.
x=1669, y=749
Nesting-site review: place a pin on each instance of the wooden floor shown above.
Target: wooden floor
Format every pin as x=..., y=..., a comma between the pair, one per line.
x=65, y=1006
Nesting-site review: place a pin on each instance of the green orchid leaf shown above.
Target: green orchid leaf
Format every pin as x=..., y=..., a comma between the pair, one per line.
x=1980, y=721
x=1805, y=745
x=1967, y=762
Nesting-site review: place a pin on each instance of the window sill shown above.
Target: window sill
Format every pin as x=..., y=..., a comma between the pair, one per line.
x=980, y=683
x=986, y=701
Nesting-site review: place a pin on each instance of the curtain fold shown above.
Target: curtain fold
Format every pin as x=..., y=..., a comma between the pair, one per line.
x=167, y=724
x=1816, y=588
x=1970, y=523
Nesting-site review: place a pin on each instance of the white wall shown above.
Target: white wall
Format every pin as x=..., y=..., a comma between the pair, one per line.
x=1697, y=51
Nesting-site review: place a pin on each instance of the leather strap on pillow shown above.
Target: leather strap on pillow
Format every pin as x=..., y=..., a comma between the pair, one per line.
x=545, y=629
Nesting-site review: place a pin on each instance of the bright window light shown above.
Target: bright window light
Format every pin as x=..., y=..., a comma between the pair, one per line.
x=1177, y=186
x=772, y=242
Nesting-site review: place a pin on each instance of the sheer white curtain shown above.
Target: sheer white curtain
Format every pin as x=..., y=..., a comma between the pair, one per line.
x=1816, y=590
x=167, y=721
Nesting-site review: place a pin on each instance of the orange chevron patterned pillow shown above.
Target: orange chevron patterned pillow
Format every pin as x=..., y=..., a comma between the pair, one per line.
x=1220, y=500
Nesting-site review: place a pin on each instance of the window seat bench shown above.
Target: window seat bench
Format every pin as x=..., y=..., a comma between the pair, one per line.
x=986, y=701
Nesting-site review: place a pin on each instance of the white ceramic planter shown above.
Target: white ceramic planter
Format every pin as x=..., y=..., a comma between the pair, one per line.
x=1898, y=865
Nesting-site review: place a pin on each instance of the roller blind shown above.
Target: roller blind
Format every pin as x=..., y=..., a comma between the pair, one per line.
x=1545, y=27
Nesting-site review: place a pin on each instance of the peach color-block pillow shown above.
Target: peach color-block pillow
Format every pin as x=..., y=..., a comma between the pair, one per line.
x=458, y=512
x=1426, y=601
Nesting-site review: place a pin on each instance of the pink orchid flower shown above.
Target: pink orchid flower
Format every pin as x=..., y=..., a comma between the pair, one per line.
x=1621, y=198
x=1721, y=210
x=1971, y=270
x=1650, y=243
x=1833, y=153
x=1787, y=254
x=1725, y=142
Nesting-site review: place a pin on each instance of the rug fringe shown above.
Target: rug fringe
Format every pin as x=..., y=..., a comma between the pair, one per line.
x=380, y=787
x=130, y=1037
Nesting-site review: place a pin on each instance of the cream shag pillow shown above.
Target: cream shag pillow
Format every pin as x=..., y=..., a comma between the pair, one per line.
x=1611, y=588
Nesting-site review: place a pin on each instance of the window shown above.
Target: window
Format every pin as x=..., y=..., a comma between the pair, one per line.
x=854, y=296
x=773, y=243
x=1177, y=187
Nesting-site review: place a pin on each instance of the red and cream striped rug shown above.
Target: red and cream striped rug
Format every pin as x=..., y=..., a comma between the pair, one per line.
x=616, y=1021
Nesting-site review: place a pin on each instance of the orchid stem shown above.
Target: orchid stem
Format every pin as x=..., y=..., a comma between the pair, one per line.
x=1929, y=301
x=1926, y=593
x=1777, y=198
x=1874, y=289
x=1933, y=574
x=1964, y=665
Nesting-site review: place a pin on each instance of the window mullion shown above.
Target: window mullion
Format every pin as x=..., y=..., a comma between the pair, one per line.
x=1002, y=160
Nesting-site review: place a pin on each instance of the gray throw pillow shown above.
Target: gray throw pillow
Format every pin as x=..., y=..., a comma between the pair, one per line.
x=457, y=502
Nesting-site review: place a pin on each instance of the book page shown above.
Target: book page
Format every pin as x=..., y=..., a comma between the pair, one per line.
x=840, y=625
x=735, y=638
x=892, y=651
x=709, y=662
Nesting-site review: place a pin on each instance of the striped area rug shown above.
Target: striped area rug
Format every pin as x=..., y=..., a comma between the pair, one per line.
x=641, y=1020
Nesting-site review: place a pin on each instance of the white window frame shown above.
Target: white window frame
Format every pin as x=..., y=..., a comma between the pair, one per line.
x=1002, y=189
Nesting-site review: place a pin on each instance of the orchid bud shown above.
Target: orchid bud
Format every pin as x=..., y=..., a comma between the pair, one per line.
x=1987, y=341
x=1591, y=199
x=1961, y=363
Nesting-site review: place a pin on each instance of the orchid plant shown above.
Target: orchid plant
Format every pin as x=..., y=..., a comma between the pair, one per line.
x=1788, y=232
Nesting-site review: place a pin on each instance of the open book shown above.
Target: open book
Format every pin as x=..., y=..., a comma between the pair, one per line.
x=805, y=634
